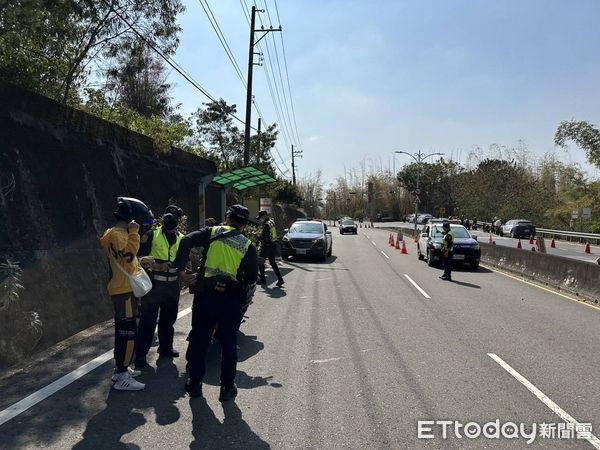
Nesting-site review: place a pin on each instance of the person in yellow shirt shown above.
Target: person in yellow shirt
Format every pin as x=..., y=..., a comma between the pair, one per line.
x=121, y=243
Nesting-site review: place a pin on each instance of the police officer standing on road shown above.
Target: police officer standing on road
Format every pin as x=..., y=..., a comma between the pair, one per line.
x=448, y=242
x=158, y=250
x=268, y=242
x=224, y=286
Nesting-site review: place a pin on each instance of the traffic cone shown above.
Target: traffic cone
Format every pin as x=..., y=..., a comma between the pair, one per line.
x=403, y=251
x=552, y=244
x=397, y=244
x=587, y=248
x=490, y=239
x=519, y=244
x=531, y=238
x=391, y=240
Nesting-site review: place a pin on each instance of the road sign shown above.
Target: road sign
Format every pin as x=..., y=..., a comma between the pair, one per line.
x=442, y=211
x=575, y=214
x=586, y=212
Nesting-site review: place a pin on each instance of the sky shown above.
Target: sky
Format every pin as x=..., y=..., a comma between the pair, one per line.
x=369, y=78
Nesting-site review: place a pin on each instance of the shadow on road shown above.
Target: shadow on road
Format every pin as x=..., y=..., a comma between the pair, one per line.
x=118, y=418
x=210, y=433
x=462, y=283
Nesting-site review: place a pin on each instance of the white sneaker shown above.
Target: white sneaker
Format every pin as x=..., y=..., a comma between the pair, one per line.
x=126, y=382
x=130, y=371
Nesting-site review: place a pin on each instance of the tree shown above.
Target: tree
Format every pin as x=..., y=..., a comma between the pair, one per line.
x=140, y=82
x=584, y=134
x=49, y=45
x=310, y=188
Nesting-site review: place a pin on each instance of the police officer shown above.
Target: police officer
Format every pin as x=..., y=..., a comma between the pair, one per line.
x=448, y=242
x=158, y=251
x=268, y=242
x=223, y=288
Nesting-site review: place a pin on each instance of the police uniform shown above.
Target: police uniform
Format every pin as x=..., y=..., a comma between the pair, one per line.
x=162, y=302
x=230, y=267
x=268, y=242
x=448, y=242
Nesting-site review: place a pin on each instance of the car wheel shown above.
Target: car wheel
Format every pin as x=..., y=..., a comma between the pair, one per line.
x=429, y=258
x=474, y=265
x=323, y=258
x=513, y=234
x=355, y=232
x=500, y=233
x=419, y=254
x=285, y=257
x=330, y=251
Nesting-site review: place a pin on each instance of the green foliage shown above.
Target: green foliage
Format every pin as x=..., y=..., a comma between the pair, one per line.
x=584, y=134
x=286, y=193
x=10, y=284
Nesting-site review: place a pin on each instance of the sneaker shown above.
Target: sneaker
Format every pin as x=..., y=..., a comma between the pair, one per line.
x=130, y=371
x=126, y=382
x=227, y=394
x=280, y=283
x=194, y=389
x=446, y=278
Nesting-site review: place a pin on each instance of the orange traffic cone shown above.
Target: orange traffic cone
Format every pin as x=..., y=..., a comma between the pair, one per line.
x=397, y=244
x=552, y=244
x=519, y=244
x=403, y=251
x=391, y=240
x=587, y=248
x=490, y=239
x=531, y=238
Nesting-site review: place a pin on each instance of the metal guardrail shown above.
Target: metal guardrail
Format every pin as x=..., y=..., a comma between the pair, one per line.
x=570, y=235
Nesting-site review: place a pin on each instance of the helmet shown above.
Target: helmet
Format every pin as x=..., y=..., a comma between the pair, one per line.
x=175, y=210
x=238, y=213
x=129, y=209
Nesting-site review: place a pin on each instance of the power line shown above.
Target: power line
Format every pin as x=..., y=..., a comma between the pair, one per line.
x=215, y=25
x=180, y=70
x=287, y=74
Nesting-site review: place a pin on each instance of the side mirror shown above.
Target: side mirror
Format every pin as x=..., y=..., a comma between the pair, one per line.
x=423, y=235
x=328, y=232
x=285, y=230
x=474, y=237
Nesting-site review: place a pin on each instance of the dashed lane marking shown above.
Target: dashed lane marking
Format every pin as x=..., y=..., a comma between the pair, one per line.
x=38, y=396
x=383, y=253
x=425, y=294
x=544, y=399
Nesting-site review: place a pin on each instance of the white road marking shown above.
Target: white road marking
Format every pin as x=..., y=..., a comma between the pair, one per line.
x=38, y=396
x=321, y=361
x=372, y=242
x=425, y=294
x=323, y=279
x=383, y=253
x=544, y=398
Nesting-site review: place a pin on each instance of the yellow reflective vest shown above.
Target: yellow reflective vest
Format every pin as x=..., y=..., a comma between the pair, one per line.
x=225, y=255
x=272, y=230
x=161, y=248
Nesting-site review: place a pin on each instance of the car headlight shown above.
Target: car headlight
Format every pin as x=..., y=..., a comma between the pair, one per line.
x=476, y=247
x=318, y=241
x=437, y=245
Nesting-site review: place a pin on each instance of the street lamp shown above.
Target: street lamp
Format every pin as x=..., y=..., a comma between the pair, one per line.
x=419, y=157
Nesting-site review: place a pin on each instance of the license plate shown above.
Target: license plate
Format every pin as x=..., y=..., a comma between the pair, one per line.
x=301, y=251
x=459, y=257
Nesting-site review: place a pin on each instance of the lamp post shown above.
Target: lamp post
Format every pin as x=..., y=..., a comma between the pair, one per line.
x=419, y=157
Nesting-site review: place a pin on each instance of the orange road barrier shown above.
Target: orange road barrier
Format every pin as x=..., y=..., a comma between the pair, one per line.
x=490, y=239
x=531, y=238
x=519, y=244
x=552, y=244
x=403, y=251
x=398, y=244
x=587, y=249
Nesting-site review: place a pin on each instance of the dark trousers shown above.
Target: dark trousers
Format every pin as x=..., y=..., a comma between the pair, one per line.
x=448, y=264
x=269, y=253
x=212, y=308
x=125, y=329
x=163, y=299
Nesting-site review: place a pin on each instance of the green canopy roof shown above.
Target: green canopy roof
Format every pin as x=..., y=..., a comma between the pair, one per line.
x=244, y=178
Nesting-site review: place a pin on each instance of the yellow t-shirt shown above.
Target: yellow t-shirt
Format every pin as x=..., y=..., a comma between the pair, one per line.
x=121, y=246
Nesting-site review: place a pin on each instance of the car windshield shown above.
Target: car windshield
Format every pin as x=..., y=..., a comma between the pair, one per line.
x=306, y=228
x=348, y=222
x=459, y=232
x=523, y=222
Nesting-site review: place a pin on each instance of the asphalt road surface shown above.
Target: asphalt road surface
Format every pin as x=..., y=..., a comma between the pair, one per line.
x=352, y=353
x=563, y=248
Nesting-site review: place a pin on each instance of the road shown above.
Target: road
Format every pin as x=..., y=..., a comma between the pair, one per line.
x=563, y=248
x=351, y=354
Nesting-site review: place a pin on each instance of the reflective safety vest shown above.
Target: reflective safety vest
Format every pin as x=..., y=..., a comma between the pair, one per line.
x=449, y=243
x=161, y=250
x=225, y=255
x=272, y=230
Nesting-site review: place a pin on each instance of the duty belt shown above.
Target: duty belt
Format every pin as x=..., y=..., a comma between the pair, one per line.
x=163, y=278
x=171, y=275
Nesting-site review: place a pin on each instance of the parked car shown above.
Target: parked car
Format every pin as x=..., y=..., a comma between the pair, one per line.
x=518, y=228
x=424, y=218
x=410, y=218
x=348, y=226
x=307, y=238
x=430, y=247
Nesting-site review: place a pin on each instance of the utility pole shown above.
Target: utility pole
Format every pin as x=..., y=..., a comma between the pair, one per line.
x=419, y=157
x=295, y=153
x=258, y=149
x=249, y=81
